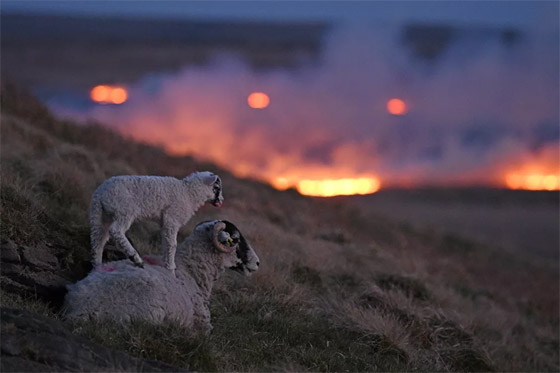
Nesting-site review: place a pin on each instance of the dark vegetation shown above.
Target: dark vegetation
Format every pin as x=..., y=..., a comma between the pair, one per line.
x=339, y=290
x=74, y=54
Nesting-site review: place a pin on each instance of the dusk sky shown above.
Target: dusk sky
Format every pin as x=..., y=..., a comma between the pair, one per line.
x=526, y=14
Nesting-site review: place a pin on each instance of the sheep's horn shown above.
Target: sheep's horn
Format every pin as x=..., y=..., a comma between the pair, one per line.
x=218, y=227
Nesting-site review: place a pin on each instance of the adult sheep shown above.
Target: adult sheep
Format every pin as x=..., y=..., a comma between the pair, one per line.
x=120, y=291
x=121, y=200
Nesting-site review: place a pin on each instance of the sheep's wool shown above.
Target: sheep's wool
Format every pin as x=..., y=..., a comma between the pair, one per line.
x=120, y=291
x=121, y=200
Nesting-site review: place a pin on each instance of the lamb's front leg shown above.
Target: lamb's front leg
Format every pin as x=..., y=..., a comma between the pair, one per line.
x=169, y=245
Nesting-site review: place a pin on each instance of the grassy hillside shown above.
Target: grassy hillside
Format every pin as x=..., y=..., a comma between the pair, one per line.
x=338, y=290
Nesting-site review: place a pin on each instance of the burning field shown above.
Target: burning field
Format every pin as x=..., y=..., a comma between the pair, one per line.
x=370, y=116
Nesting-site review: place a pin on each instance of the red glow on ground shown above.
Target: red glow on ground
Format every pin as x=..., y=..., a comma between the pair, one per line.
x=258, y=100
x=396, y=106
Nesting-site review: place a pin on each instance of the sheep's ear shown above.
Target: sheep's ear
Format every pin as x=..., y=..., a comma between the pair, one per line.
x=223, y=247
x=209, y=179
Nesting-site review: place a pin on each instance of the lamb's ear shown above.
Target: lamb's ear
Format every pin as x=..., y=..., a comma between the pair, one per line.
x=209, y=179
x=223, y=247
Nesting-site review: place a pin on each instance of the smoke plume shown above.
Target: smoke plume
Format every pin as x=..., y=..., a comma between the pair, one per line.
x=482, y=108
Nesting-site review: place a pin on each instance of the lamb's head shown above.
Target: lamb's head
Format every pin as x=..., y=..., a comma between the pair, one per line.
x=236, y=252
x=212, y=186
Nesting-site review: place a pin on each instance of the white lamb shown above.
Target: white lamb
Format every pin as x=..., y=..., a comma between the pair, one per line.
x=121, y=200
x=120, y=291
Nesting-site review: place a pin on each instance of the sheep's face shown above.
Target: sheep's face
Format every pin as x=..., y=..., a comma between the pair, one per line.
x=217, y=197
x=212, y=186
x=245, y=260
x=237, y=254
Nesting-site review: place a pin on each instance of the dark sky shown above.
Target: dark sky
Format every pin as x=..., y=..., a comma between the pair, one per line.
x=524, y=14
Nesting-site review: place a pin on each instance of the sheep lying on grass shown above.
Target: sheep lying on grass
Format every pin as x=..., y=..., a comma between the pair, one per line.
x=123, y=292
x=120, y=200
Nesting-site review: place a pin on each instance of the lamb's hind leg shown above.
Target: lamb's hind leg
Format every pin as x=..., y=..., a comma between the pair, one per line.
x=99, y=237
x=117, y=231
x=169, y=244
x=99, y=234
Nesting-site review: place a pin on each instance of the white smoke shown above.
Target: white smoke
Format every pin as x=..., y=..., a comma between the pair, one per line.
x=330, y=120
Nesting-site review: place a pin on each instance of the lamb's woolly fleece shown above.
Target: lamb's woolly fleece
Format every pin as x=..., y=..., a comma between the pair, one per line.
x=121, y=200
x=121, y=291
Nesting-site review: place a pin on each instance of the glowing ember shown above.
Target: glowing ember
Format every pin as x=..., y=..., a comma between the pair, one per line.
x=281, y=183
x=329, y=187
x=551, y=182
x=118, y=95
x=100, y=93
x=396, y=106
x=533, y=181
x=105, y=94
x=258, y=100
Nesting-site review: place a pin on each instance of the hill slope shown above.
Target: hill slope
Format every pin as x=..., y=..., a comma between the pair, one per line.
x=337, y=289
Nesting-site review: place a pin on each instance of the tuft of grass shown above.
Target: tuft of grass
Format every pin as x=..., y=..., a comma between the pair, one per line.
x=303, y=274
x=409, y=286
x=345, y=280
x=465, y=360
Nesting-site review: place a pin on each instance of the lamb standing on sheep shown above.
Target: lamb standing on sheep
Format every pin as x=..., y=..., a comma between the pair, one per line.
x=120, y=291
x=121, y=200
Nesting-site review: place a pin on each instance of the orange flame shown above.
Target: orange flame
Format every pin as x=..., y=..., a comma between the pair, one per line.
x=534, y=171
x=338, y=187
x=258, y=100
x=533, y=181
x=396, y=106
x=105, y=94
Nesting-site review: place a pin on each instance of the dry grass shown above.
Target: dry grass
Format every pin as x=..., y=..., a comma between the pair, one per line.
x=337, y=290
